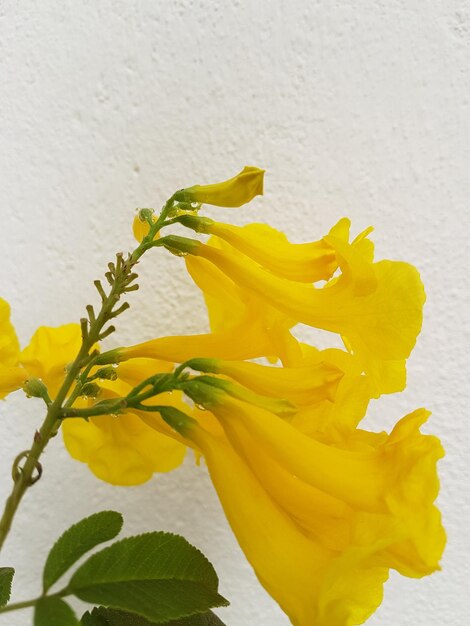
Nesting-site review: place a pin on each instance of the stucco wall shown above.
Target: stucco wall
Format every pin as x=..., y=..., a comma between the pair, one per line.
x=354, y=108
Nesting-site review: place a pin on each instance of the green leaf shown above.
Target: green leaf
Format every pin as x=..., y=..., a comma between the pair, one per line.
x=77, y=540
x=54, y=612
x=6, y=576
x=102, y=616
x=157, y=575
x=110, y=617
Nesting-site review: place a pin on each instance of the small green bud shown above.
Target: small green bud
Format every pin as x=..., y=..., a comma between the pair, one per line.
x=107, y=373
x=90, y=390
x=146, y=215
x=35, y=388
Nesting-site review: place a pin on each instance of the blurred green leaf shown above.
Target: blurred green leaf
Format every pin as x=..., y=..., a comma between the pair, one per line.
x=6, y=576
x=159, y=576
x=77, y=541
x=54, y=612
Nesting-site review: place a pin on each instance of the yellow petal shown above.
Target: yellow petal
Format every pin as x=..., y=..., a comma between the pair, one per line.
x=229, y=306
x=11, y=378
x=50, y=351
x=272, y=541
x=135, y=371
x=246, y=341
x=304, y=262
x=231, y=193
x=9, y=346
x=300, y=385
x=226, y=303
x=140, y=228
x=383, y=307
x=121, y=450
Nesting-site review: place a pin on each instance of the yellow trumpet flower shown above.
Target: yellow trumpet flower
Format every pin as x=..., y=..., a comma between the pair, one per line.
x=314, y=585
x=375, y=307
x=395, y=475
x=383, y=308
x=299, y=385
x=304, y=262
x=230, y=193
x=247, y=340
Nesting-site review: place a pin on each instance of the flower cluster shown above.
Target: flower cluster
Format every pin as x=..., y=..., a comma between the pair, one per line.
x=321, y=507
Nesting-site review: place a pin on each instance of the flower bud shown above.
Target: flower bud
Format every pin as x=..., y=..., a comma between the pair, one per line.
x=230, y=193
x=141, y=224
x=35, y=388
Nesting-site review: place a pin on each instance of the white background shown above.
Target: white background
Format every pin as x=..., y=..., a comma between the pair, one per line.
x=354, y=108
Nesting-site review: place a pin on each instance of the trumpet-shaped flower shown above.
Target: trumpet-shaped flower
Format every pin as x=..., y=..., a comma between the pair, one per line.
x=314, y=584
x=299, y=385
x=391, y=475
x=230, y=193
x=376, y=307
x=304, y=262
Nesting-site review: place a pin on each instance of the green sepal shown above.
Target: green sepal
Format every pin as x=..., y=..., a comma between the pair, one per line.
x=178, y=420
x=196, y=223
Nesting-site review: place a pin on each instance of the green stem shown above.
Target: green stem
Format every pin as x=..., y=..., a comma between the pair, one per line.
x=29, y=603
x=24, y=476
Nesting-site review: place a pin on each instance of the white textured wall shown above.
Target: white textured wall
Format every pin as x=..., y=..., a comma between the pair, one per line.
x=354, y=108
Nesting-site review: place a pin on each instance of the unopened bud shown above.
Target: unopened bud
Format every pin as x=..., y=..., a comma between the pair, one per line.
x=142, y=222
x=90, y=390
x=106, y=373
x=35, y=388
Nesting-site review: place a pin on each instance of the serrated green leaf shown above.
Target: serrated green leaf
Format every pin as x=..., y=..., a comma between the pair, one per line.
x=159, y=576
x=101, y=616
x=54, y=612
x=208, y=619
x=77, y=541
x=6, y=576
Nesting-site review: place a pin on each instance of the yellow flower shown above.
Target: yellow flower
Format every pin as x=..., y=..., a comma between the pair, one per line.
x=375, y=307
x=391, y=475
x=49, y=352
x=231, y=193
x=46, y=357
x=300, y=385
x=314, y=584
x=124, y=450
x=11, y=376
x=304, y=262
x=9, y=346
